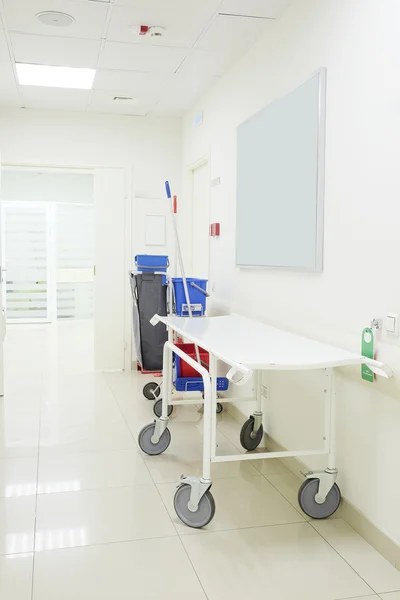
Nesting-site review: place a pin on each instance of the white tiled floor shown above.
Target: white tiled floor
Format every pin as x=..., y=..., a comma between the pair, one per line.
x=85, y=516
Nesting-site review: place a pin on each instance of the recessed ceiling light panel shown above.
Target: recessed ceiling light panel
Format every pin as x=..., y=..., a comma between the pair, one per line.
x=55, y=19
x=56, y=77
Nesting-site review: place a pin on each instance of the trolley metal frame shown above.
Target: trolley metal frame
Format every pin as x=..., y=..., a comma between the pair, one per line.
x=316, y=356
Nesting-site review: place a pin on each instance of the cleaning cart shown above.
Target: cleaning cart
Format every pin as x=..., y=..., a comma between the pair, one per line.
x=188, y=298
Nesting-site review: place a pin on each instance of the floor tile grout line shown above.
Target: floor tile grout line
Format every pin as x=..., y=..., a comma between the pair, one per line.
x=172, y=521
x=359, y=597
x=37, y=486
x=310, y=522
x=148, y=470
x=68, y=452
x=137, y=446
x=297, y=508
x=114, y=395
x=343, y=558
x=181, y=535
x=97, y=489
x=181, y=542
x=193, y=567
x=214, y=479
x=247, y=527
x=133, y=541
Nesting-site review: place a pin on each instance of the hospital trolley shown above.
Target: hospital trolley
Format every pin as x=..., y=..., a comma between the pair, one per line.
x=249, y=347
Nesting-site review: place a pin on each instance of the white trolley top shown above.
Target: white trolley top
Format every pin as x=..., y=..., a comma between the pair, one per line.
x=236, y=339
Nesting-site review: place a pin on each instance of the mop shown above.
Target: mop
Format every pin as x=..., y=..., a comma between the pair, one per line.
x=180, y=259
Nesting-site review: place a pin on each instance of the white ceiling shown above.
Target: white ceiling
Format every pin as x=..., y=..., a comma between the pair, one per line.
x=163, y=75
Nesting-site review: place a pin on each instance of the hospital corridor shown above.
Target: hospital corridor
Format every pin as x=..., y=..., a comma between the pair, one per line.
x=199, y=300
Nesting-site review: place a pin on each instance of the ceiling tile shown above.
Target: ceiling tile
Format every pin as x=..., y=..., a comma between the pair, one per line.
x=9, y=95
x=8, y=88
x=90, y=17
x=254, y=8
x=104, y=102
x=159, y=111
x=183, y=91
x=181, y=30
x=228, y=38
x=198, y=70
x=132, y=82
x=5, y=61
x=174, y=6
x=232, y=34
x=134, y=57
x=55, y=98
x=204, y=62
x=63, y=52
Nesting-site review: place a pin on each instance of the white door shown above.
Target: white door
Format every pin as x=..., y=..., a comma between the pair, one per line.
x=201, y=222
x=2, y=305
x=111, y=271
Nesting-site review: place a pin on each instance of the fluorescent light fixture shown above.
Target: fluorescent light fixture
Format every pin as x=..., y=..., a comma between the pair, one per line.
x=55, y=77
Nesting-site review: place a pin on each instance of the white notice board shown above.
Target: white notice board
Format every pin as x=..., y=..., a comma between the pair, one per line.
x=280, y=181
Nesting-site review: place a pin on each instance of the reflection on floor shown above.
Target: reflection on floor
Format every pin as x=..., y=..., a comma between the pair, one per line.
x=85, y=516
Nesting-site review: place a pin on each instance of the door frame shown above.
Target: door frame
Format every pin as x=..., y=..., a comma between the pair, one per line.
x=128, y=169
x=200, y=162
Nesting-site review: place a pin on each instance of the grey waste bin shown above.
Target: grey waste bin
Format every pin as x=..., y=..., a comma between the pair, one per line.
x=149, y=293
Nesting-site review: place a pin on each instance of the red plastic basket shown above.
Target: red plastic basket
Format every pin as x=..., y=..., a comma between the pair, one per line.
x=190, y=350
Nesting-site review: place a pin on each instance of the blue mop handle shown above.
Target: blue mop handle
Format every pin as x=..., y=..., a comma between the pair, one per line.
x=178, y=247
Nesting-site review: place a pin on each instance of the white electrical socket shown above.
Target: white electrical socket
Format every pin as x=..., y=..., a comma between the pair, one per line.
x=392, y=324
x=264, y=391
x=213, y=287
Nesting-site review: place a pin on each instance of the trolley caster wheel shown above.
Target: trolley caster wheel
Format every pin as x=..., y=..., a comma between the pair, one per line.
x=205, y=511
x=145, y=443
x=310, y=506
x=220, y=408
x=249, y=438
x=151, y=390
x=157, y=408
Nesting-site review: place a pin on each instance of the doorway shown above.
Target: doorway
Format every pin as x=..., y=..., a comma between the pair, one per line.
x=48, y=245
x=201, y=219
x=80, y=271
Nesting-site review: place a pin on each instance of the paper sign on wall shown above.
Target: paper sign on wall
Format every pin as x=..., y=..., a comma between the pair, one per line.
x=155, y=226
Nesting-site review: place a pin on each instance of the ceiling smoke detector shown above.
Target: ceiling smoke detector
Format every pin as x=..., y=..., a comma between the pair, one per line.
x=55, y=19
x=144, y=30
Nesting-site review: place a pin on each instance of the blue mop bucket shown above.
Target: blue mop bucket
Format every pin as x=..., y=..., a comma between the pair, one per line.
x=197, y=289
